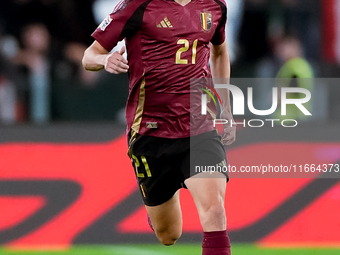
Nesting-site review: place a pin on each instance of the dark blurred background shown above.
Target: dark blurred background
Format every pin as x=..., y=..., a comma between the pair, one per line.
x=42, y=44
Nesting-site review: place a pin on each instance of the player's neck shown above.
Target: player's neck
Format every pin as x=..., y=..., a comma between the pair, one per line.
x=183, y=2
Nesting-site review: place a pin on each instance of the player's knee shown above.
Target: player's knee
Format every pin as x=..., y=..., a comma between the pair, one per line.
x=168, y=237
x=168, y=240
x=217, y=212
x=213, y=215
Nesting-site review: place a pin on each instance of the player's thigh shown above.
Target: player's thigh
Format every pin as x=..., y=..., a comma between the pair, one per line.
x=167, y=217
x=208, y=191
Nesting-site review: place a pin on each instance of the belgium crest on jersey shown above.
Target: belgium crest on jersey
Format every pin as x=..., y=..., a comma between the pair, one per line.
x=206, y=21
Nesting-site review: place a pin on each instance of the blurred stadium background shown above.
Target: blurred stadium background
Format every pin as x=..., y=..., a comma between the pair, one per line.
x=66, y=184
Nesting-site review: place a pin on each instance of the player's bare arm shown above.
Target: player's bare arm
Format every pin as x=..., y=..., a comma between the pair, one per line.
x=220, y=69
x=96, y=58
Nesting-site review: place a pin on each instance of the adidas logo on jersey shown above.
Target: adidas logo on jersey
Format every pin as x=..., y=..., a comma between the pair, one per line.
x=151, y=125
x=165, y=23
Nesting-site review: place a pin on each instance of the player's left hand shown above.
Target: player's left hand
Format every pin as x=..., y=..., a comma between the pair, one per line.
x=229, y=135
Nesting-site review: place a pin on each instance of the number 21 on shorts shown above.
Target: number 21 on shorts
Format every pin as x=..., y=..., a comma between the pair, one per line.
x=137, y=166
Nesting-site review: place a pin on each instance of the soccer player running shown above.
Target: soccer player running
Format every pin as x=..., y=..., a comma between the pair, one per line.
x=168, y=43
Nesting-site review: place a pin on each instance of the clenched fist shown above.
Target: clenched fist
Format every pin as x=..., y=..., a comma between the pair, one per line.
x=115, y=62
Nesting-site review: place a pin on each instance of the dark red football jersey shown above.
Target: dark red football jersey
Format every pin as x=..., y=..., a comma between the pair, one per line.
x=167, y=45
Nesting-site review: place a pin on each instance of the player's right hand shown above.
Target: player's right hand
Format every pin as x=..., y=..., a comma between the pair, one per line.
x=115, y=62
x=229, y=135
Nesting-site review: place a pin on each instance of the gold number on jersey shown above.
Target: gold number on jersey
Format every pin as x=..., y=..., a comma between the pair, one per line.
x=184, y=49
x=137, y=165
x=194, y=51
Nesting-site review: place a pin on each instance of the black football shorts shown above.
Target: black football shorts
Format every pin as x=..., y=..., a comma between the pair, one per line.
x=162, y=164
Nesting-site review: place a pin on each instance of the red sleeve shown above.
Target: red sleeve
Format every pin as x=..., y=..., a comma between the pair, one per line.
x=123, y=22
x=219, y=36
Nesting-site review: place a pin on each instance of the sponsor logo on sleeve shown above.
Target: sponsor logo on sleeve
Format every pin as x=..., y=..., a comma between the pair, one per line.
x=105, y=23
